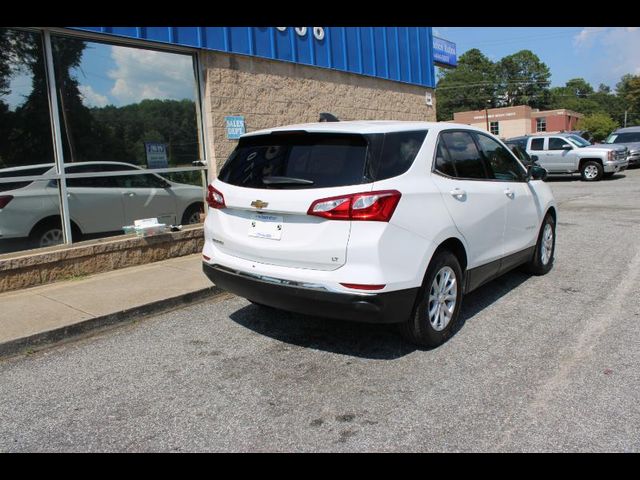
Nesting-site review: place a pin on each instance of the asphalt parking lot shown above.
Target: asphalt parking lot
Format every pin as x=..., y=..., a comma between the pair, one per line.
x=539, y=364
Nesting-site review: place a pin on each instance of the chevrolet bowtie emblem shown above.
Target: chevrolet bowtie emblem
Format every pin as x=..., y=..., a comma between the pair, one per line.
x=259, y=204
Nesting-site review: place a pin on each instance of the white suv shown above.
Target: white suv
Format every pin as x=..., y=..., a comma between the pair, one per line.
x=375, y=221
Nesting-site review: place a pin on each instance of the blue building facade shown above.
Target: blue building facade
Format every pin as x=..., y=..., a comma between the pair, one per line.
x=403, y=54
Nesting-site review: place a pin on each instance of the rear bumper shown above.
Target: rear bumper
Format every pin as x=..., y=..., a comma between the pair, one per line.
x=389, y=307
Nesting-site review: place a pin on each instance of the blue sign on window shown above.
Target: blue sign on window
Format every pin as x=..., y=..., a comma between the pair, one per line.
x=156, y=155
x=444, y=52
x=235, y=127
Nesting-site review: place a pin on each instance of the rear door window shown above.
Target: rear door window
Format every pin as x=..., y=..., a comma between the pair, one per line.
x=537, y=144
x=297, y=160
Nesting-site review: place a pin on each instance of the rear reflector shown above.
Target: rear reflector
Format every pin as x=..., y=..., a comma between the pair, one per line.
x=4, y=200
x=359, y=286
x=215, y=199
x=371, y=206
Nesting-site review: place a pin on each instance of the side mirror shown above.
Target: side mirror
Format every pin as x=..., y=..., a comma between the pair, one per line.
x=536, y=172
x=534, y=158
x=566, y=146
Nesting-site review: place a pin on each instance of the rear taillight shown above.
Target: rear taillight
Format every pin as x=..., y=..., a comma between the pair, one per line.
x=215, y=199
x=372, y=206
x=4, y=200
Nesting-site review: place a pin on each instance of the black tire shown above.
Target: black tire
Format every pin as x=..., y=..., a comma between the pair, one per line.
x=187, y=217
x=536, y=265
x=44, y=233
x=419, y=329
x=591, y=171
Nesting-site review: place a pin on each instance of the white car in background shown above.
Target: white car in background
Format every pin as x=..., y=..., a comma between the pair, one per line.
x=97, y=204
x=389, y=222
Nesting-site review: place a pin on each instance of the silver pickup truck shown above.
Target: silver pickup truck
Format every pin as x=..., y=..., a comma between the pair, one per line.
x=567, y=153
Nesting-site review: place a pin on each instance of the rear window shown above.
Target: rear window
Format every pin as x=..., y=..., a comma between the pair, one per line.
x=5, y=187
x=520, y=142
x=319, y=160
x=294, y=160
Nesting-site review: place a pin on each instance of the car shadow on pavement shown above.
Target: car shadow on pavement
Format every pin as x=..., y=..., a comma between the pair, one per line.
x=378, y=342
x=578, y=178
x=372, y=341
x=486, y=295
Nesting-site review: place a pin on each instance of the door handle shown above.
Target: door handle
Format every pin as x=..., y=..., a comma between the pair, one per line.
x=129, y=194
x=509, y=193
x=458, y=193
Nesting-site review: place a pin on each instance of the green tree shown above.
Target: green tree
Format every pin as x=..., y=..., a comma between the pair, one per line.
x=628, y=90
x=577, y=95
x=599, y=124
x=467, y=87
x=523, y=79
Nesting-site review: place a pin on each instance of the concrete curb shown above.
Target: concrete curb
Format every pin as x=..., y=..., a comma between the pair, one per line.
x=50, y=337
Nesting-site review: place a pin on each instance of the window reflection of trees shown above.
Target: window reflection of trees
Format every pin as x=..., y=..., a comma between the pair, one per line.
x=26, y=130
x=109, y=133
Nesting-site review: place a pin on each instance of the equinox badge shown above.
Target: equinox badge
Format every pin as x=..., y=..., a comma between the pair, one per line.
x=259, y=204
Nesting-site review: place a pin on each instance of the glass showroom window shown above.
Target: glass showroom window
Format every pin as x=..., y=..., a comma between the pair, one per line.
x=128, y=143
x=29, y=204
x=495, y=128
x=541, y=124
x=127, y=109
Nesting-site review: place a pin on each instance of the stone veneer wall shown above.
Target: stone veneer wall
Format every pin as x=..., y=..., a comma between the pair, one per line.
x=274, y=93
x=36, y=267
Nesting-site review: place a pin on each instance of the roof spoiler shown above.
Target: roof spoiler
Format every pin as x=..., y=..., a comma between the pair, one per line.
x=328, y=117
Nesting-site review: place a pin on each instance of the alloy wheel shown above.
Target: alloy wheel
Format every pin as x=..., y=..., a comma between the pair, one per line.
x=547, y=244
x=442, y=298
x=52, y=237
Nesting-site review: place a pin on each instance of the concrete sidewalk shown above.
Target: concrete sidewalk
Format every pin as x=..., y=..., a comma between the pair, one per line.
x=37, y=316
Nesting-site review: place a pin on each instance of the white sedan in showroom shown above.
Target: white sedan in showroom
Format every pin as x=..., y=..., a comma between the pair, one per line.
x=96, y=204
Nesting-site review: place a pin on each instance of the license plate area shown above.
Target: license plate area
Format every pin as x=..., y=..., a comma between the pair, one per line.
x=266, y=226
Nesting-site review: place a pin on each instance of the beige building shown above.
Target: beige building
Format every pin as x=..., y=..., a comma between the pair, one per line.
x=270, y=93
x=510, y=122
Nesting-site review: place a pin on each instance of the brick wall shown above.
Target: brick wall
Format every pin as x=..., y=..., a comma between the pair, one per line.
x=271, y=93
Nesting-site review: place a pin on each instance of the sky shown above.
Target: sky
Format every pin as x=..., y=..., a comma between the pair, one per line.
x=114, y=75
x=597, y=54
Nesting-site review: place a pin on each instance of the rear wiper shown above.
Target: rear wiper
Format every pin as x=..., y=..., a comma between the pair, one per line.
x=271, y=180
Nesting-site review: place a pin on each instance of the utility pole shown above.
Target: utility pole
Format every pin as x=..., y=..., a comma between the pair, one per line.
x=486, y=114
x=625, y=118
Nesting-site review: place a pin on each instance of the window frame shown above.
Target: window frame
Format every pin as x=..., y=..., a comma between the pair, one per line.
x=540, y=120
x=58, y=172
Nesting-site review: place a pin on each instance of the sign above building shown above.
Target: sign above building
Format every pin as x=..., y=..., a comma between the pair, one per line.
x=444, y=53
